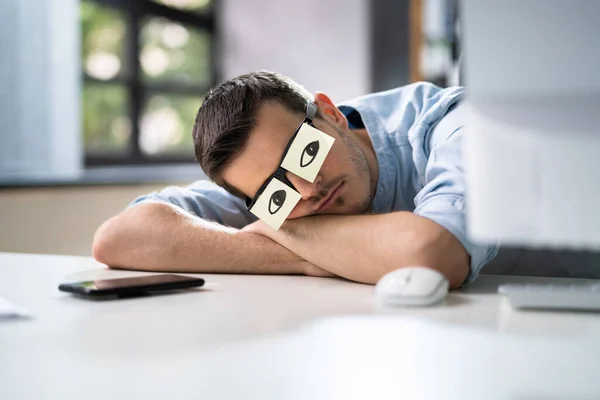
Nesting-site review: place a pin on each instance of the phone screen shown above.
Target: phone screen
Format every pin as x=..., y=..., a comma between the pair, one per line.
x=128, y=285
x=108, y=284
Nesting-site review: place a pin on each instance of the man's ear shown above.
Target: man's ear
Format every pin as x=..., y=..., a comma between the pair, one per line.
x=329, y=111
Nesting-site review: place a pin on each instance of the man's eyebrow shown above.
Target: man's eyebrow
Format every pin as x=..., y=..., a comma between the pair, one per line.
x=234, y=190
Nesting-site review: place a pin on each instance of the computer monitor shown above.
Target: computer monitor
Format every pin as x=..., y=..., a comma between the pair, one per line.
x=532, y=148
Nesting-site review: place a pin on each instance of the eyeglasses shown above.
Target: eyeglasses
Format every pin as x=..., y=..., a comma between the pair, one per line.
x=303, y=156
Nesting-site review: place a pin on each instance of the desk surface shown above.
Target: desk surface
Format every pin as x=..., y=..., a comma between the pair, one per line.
x=283, y=337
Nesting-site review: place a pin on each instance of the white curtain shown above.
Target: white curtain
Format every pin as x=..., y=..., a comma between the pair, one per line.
x=39, y=90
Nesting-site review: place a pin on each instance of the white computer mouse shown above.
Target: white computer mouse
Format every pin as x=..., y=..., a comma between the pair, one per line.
x=412, y=286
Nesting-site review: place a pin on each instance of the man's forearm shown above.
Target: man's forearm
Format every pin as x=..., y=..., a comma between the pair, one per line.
x=365, y=247
x=160, y=237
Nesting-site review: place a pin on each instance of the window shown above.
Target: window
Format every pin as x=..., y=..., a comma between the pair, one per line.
x=146, y=67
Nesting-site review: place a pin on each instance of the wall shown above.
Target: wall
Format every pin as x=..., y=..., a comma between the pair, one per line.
x=60, y=220
x=323, y=45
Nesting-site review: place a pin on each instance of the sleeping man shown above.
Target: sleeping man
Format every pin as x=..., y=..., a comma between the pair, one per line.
x=300, y=185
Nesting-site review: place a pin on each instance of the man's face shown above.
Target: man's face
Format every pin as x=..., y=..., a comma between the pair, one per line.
x=343, y=184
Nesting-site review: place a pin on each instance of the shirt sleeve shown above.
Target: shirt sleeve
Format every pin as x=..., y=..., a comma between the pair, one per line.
x=442, y=198
x=205, y=200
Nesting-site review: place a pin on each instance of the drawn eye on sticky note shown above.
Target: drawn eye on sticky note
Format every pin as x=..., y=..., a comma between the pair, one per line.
x=306, y=155
x=275, y=203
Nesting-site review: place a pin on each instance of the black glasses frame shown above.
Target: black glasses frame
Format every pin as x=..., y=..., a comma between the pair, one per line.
x=311, y=110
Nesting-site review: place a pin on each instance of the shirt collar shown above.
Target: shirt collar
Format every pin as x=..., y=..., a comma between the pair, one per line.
x=385, y=159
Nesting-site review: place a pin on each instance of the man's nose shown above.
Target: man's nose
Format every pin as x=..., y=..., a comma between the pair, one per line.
x=304, y=187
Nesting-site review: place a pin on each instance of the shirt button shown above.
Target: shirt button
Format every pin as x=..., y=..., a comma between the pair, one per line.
x=459, y=204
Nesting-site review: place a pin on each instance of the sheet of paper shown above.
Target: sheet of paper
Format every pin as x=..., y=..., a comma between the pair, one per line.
x=9, y=310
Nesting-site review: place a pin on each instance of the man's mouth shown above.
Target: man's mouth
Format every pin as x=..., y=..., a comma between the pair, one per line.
x=331, y=197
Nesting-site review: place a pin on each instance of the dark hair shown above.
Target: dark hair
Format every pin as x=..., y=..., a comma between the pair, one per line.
x=228, y=114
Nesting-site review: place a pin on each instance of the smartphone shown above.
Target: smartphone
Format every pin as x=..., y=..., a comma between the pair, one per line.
x=131, y=286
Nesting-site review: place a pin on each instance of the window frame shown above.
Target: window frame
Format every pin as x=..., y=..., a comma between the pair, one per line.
x=133, y=82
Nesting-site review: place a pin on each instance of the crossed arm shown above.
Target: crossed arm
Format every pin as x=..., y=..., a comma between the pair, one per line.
x=159, y=237
x=363, y=248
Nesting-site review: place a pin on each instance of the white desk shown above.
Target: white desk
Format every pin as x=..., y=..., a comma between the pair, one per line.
x=264, y=337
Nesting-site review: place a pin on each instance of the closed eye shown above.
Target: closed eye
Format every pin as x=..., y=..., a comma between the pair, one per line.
x=309, y=153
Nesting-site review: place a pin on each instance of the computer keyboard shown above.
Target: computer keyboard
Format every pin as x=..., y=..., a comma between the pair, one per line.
x=553, y=296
